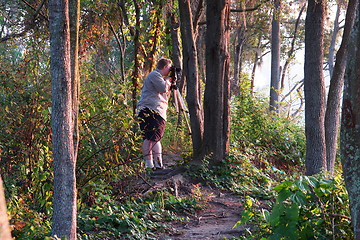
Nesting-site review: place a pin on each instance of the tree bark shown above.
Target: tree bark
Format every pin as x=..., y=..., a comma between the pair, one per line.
x=350, y=121
x=332, y=115
x=136, y=70
x=275, y=58
x=64, y=210
x=175, y=47
x=74, y=11
x=190, y=65
x=314, y=88
x=333, y=41
x=238, y=46
x=5, y=232
x=217, y=91
x=257, y=56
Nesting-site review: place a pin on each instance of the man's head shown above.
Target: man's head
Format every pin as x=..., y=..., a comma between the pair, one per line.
x=164, y=65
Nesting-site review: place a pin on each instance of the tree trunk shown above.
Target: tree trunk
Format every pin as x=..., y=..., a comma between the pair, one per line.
x=136, y=71
x=64, y=210
x=256, y=63
x=5, y=232
x=314, y=88
x=332, y=115
x=200, y=47
x=350, y=121
x=190, y=65
x=333, y=41
x=175, y=47
x=217, y=91
x=238, y=46
x=275, y=58
x=74, y=11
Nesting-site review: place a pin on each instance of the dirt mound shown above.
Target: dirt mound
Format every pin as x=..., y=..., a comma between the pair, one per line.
x=220, y=210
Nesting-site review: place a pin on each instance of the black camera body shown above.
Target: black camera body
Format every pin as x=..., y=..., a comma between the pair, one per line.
x=172, y=74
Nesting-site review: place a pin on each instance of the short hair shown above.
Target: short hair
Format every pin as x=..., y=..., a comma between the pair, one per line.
x=163, y=62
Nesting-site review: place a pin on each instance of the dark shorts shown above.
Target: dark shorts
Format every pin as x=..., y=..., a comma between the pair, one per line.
x=151, y=124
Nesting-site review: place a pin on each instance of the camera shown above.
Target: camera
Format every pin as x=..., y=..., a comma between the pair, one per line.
x=172, y=74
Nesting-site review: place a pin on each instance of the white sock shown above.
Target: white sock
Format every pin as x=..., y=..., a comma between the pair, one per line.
x=148, y=154
x=149, y=164
x=157, y=154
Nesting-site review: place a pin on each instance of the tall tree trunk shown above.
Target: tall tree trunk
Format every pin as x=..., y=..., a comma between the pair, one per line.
x=190, y=65
x=275, y=58
x=5, y=232
x=333, y=41
x=256, y=63
x=74, y=11
x=350, y=121
x=64, y=210
x=238, y=46
x=136, y=71
x=175, y=47
x=200, y=47
x=314, y=88
x=217, y=91
x=332, y=115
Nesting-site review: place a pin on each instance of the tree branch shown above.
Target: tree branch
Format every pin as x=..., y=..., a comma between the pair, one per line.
x=31, y=24
x=249, y=9
x=37, y=9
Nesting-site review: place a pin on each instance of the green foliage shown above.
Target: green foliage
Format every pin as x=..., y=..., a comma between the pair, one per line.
x=136, y=218
x=305, y=208
x=25, y=144
x=27, y=223
x=176, y=137
x=276, y=139
x=109, y=136
x=181, y=205
x=234, y=174
x=264, y=148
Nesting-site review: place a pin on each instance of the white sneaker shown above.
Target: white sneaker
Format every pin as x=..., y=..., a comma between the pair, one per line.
x=159, y=164
x=149, y=164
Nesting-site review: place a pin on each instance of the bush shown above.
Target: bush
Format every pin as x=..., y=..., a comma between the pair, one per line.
x=275, y=140
x=305, y=208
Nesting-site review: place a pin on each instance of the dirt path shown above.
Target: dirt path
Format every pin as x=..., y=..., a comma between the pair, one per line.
x=220, y=211
x=215, y=221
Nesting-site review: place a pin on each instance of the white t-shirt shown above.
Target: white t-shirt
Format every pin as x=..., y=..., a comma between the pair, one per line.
x=155, y=93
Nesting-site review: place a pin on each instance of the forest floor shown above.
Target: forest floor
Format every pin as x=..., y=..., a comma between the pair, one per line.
x=219, y=212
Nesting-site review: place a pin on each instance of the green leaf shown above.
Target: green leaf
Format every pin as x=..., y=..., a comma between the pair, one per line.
x=42, y=177
x=245, y=217
x=283, y=185
x=283, y=195
x=248, y=202
x=266, y=214
x=275, y=215
x=312, y=181
x=299, y=198
x=292, y=212
x=302, y=185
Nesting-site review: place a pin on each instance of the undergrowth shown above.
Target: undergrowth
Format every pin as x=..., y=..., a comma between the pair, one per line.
x=264, y=167
x=135, y=218
x=304, y=208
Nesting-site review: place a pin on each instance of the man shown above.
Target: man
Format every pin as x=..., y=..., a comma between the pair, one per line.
x=152, y=108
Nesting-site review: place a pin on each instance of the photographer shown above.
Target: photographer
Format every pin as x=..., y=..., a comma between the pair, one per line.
x=151, y=109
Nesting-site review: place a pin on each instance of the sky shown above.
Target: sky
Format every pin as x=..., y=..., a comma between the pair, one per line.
x=263, y=73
